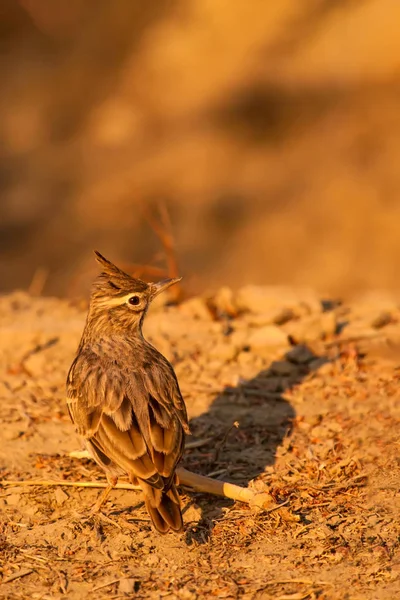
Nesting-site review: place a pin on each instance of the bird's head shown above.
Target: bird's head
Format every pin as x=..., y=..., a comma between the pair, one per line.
x=121, y=300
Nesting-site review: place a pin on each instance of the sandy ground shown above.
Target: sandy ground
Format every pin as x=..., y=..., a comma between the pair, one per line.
x=314, y=388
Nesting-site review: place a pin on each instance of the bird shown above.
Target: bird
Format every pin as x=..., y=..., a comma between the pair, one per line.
x=124, y=398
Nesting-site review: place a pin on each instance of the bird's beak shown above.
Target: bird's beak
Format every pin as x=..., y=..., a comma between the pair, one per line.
x=161, y=286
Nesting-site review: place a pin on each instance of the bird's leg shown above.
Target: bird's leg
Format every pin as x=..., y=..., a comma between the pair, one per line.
x=102, y=499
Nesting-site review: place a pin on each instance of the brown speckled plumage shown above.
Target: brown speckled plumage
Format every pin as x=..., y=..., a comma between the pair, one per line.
x=123, y=395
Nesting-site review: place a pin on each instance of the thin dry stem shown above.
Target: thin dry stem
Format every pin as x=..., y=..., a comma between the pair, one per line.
x=62, y=482
x=38, y=282
x=162, y=227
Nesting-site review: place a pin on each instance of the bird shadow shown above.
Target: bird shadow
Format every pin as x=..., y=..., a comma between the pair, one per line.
x=245, y=425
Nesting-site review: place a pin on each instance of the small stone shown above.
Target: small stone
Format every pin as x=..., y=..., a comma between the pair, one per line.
x=186, y=594
x=35, y=364
x=31, y=510
x=269, y=335
x=261, y=500
x=373, y=302
x=312, y=328
x=152, y=560
x=127, y=586
x=223, y=351
x=245, y=358
x=384, y=318
x=12, y=434
x=257, y=299
x=300, y=354
x=215, y=365
x=224, y=302
x=60, y=496
x=193, y=514
x=359, y=330
x=283, y=316
x=274, y=316
x=238, y=338
x=13, y=499
x=321, y=432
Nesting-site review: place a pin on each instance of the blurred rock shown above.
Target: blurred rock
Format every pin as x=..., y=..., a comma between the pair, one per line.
x=195, y=308
x=275, y=316
x=312, y=328
x=193, y=514
x=35, y=363
x=266, y=300
x=224, y=302
x=60, y=496
x=359, y=330
x=383, y=319
x=13, y=499
x=152, y=560
x=223, y=351
x=239, y=337
x=374, y=301
x=270, y=335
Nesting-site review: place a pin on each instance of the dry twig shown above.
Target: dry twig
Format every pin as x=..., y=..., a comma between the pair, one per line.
x=162, y=227
x=221, y=444
x=198, y=483
x=18, y=575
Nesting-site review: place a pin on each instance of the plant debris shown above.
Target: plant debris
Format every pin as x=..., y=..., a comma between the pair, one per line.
x=309, y=424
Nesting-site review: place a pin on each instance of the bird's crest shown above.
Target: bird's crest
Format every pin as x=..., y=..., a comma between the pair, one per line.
x=114, y=279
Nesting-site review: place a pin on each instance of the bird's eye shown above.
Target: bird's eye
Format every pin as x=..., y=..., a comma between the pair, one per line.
x=134, y=300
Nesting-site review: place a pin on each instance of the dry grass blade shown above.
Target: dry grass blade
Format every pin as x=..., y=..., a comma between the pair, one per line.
x=32, y=557
x=62, y=482
x=38, y=282
x=162, y=227
x=104, y=585
x=300, y=581
x=221, y=444
x=18, y=575
x=296, y=596
x=197, y=443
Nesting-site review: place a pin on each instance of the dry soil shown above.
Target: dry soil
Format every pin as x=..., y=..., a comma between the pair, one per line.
x=313, y=385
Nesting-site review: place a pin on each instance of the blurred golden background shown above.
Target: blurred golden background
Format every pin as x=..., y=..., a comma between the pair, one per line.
x=270, y=131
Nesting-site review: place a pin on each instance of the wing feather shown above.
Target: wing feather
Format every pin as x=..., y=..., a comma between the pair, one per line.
x=136, y=419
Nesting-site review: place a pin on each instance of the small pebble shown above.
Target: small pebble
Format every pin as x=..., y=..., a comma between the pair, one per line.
x=127, y=586
x=269, y=335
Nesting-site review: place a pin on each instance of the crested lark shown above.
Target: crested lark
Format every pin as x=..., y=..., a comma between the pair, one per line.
x=124, y=398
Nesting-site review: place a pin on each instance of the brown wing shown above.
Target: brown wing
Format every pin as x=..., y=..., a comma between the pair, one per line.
x=135, y=419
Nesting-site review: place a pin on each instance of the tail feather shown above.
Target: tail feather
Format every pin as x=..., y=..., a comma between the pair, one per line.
x=164, y=509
